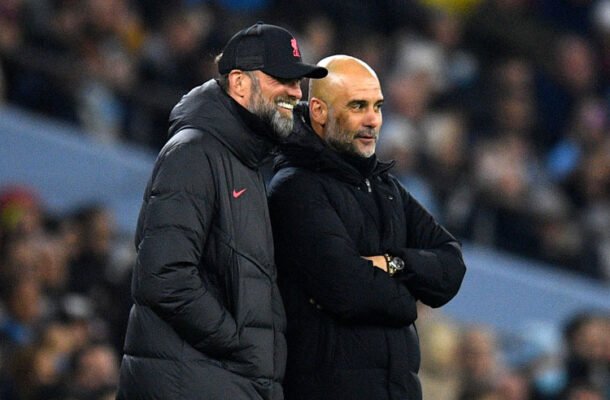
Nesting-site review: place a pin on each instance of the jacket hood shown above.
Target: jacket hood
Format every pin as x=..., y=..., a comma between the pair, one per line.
x=304, y=148
x=209, y=109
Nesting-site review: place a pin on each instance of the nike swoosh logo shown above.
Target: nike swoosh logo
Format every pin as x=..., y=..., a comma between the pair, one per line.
x=236, y=193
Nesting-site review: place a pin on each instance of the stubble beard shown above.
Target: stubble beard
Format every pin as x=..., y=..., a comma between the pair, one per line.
x=342, y=140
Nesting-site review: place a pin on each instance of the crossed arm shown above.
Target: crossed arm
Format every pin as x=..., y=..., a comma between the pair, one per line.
x=313, y=244
x=434, y=268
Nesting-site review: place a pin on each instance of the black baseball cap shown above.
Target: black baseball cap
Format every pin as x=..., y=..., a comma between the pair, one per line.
x=270, y=49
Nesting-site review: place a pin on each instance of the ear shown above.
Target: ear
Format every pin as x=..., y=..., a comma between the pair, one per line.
x=238, y=86
x=318, y=111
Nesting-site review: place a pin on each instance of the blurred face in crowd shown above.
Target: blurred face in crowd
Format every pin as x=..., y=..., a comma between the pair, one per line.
x=98, y=367
x=591, y=340
x=25, y=301
x=576, y=62
x=271, y=99
x=346, y=106
x=478, y=349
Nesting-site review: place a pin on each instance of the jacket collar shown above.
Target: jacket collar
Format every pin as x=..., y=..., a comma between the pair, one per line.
x=209, y=109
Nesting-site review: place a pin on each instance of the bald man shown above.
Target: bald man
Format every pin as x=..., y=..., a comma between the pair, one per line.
x=354, y=250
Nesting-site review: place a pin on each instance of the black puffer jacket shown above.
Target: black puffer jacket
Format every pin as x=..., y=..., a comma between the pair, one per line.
x=351, y=331
x=208, y=320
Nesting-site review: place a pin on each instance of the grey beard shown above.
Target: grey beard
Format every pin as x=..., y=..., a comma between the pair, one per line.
x=341, y=140
x=282, y=126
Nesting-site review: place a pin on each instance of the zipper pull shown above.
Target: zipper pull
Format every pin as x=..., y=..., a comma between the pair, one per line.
x=368, y=185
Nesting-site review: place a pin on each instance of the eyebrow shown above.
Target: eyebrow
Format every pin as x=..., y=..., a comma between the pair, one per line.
x=362, y=102
x=357, y=103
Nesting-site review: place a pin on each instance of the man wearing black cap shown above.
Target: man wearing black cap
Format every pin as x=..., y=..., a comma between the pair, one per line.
x=208, y=321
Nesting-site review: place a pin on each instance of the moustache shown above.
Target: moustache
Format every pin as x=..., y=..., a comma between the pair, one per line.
x=369, y=133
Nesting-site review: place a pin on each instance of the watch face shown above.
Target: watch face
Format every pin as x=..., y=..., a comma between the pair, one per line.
x=398, y=263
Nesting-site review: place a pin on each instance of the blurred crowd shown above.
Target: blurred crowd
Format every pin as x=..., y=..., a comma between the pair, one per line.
x=64, y=300
x=497, y=113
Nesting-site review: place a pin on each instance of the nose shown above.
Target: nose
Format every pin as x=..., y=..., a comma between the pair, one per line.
x=294, y=89
x=372, y=118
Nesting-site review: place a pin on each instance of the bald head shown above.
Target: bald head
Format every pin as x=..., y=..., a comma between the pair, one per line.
x=345, y=106
x=342, y=70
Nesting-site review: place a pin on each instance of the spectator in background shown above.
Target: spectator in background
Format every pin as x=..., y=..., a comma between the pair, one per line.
x=96, y=233
x=480, y=365
x=95, y=375
x=600, y=21
x=319, y=38
x=409, y=96
x=22, y=297
x=98, y=269
x=451, y=69
x=571, y=166
x=588, y=359
x=173, y=60
x=109, y=68
x=592, y=182
x=37, y=374
x=403, y=147
x=40, y=369
x=573, y=78
x=501, y=214
x=11, y=25
x=440, y=372
x=174, y=56
x=446, y=165
x=585, y=132
x=20, y=211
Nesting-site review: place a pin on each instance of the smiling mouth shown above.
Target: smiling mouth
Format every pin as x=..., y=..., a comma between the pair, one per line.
x=285, y=105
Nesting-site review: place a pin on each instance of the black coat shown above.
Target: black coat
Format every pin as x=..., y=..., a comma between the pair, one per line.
x=208, y=320
x=351, y=332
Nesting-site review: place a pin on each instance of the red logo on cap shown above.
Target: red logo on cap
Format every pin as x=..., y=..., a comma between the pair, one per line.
x=295, y=48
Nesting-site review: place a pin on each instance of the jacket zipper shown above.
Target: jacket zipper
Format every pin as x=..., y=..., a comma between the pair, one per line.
x=368, y=185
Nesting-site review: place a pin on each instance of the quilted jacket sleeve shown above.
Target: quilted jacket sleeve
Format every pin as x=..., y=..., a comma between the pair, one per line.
x=434, y=267
x=312, y=243
x=173, y=230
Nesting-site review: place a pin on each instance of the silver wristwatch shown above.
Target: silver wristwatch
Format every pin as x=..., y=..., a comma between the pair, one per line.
x=395, y=264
